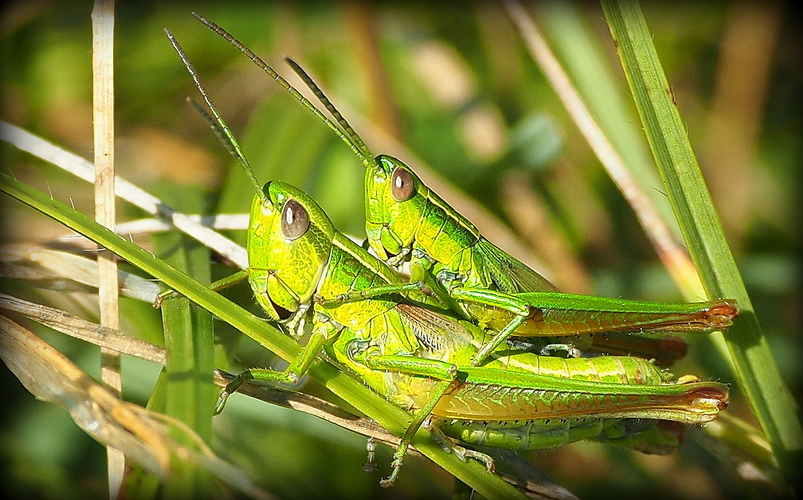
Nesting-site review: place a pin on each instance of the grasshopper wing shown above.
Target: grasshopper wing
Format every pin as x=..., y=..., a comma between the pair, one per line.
x=508, y=273
x=436, y=332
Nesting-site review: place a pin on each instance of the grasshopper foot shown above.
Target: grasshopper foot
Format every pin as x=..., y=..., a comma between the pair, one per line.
x=221, y=401
x=230, y=389
x=167, y=294
x=398, y=459
x=462, y=453
x=568, y=350
x=370, y=464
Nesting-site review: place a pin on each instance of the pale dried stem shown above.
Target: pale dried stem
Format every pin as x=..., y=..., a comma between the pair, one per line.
x=103, y=120
x=83, y=169
x=87, y=331
x=146, y=436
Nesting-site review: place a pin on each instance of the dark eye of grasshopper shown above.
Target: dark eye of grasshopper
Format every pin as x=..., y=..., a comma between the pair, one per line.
x=295, y=220
x=403, y=187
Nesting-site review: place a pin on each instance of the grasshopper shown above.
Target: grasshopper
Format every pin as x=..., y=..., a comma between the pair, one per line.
x=407, y=222
x=404, y=345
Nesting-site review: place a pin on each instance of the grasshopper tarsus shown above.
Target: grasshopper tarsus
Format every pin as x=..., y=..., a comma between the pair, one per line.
x=221, y=401
x=160, y=299
x=398, y=458
x=230, y=389
x=370, y=463
x=464, y=454
x=569, y=350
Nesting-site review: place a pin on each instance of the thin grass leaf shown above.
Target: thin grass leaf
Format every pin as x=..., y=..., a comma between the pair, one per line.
x=189, y=393
x=753, y=362
x=583, y=57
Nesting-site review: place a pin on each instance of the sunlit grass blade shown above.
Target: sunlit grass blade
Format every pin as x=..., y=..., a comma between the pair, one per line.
x=342, y=385
x=753, y=362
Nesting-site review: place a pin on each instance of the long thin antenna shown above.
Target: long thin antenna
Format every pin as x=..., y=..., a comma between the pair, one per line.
x=218, y=125
x=366, y=155
x=347, y=134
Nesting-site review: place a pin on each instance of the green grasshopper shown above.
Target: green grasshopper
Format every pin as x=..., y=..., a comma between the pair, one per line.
x=405, y=346
x=407, y=222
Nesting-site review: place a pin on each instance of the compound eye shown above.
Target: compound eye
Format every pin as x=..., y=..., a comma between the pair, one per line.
x=295, y=220
x=403, y=187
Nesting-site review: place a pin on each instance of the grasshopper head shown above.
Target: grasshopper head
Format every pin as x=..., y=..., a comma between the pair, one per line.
x=395, y=199
x=289, y=242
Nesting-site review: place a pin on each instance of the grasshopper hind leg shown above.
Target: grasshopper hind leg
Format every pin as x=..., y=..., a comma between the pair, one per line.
x=460, y=452
x=448, y=445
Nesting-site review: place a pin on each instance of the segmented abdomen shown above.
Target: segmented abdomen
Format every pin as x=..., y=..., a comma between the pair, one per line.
x=609, y=369
x=525, y=387
x=689, y=403
x=648, y=436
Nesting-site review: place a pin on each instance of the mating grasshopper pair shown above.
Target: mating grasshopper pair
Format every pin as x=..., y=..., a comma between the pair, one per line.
x=444, y=356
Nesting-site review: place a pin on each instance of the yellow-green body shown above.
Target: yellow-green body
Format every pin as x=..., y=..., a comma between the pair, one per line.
x=401, y=345
x=406, y=221
x=467, y=272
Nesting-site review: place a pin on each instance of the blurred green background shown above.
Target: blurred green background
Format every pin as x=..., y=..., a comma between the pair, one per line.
x=455, y=85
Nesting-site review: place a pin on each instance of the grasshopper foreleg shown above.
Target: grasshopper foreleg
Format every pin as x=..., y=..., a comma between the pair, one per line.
x=367, y=293
x=321, y=334
x=217, y=286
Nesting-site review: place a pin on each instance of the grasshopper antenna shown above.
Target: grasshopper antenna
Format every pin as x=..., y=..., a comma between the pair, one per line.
x=215, y=121
x=356, y=140
x=346, y=133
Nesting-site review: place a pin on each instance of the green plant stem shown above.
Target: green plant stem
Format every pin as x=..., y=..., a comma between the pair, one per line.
x=754, y=365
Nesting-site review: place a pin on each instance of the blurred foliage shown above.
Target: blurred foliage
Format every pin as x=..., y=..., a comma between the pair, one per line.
x=457, y=87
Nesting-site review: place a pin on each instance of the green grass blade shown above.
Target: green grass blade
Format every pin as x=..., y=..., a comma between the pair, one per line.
x=190, y=393
x=754, y=365
x=342, y=385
